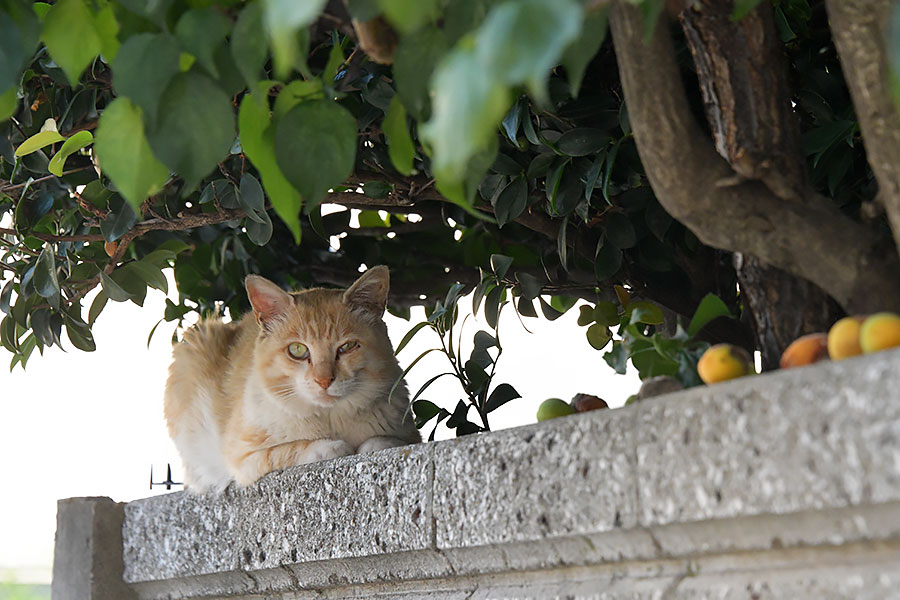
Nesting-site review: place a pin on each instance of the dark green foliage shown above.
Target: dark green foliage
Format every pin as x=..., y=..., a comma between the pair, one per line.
x=497, y=146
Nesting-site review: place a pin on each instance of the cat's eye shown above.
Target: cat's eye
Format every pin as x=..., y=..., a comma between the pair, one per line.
x=298, y=351
x=347, y=347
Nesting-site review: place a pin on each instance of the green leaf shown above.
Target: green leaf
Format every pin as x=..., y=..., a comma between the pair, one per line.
x=511, y=202
x=620, y=231
x=710, y=307
x=607, y=172
x=80, y=337
x=476, y=375
x=143, y=68
x=492, y=306
x=424, y=411
x=408, y=15
x=97, y=306
x=399, y=380
x=578, y=55
x=121, y=219
x=155, y=10
x=607, y=260
x=38, y=141
x=71, y=37
x=563, y=303
x=19, y=33
x=72, y=145
x=400, y=144
x=252, y=199
x=550, y=313
x=108, y=30
x=151, y=274
x=191, y=136
x=606, y=313
x=125, y=155
x=585, y=315
x=598, y=336
x=200, y=32
x=131, y=280
x=409, y=336
x=248, y=43
x=113, y=290
x=529, y=285
x=293, y=94
x=500, y=264
x=742, y=7
x=283, y=20
x=502, y=394
x=644, y=312
x=259, y=232
x=415, y=59
x=521, y=41
x=45, y=280
x=315, y=146
x=257, y=140
x=469, y=102
x=9, y=101
x=582, y=141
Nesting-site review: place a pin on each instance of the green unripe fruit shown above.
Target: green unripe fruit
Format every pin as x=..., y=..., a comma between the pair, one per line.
x=552, y=408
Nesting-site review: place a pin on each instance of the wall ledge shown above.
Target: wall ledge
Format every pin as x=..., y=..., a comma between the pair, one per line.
x=781, y=485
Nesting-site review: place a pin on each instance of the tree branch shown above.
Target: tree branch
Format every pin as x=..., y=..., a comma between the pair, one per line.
x=858, y=28
x=91, y=237
x=698, y=188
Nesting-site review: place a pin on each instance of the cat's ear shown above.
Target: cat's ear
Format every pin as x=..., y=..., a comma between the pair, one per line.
x=370, y=291
x=269, y=301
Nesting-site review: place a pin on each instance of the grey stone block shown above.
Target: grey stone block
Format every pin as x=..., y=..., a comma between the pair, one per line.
x=354, y=506
x=827, y=435
x=784, y=485
x=87, y=562
x=569, y=476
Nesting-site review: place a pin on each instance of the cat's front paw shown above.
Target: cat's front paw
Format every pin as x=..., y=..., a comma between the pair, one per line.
x=326, y=449
x=380, y=443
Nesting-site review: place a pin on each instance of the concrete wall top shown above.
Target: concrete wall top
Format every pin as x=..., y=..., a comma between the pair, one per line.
x=812, y=446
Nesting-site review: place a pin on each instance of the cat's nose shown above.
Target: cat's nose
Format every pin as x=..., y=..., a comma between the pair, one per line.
x=324, y=380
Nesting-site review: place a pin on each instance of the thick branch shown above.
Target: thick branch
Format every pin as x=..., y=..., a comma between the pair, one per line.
x=812, y=239
x=858, y=28
x=742, y=72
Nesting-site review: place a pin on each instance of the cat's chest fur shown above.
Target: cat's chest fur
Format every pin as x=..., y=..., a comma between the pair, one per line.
x=306, y=377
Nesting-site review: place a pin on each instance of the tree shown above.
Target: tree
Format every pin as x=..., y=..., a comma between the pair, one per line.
x=707, y=147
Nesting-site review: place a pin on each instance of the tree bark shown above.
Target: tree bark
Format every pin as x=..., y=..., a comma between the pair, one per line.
x=743, y=81
x=695, y=185
x=859, y=31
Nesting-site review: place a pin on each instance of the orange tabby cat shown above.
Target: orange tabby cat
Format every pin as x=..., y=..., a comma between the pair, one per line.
x=305, y=377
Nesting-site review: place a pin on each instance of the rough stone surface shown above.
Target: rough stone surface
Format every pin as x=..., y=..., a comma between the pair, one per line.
x=783, y=485
x=375, y=503
x=827, y=435
x=571, y=476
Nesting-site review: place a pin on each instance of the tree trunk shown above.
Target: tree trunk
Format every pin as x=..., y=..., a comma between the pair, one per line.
x=743, y=81
x=859, y=29
x=808, y=237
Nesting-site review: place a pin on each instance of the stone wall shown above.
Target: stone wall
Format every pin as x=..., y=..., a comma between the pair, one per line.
x=785, y=485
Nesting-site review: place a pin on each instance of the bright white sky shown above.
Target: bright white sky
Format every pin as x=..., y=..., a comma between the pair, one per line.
x=91, y=424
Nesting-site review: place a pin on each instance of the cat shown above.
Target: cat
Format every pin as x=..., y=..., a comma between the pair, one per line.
x=304, y=377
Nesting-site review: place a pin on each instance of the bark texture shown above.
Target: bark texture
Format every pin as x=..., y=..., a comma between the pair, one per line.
x=859, y=29
x=742, y=74
x=695, y=185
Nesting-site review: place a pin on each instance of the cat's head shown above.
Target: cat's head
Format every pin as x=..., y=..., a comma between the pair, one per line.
x=318, y=346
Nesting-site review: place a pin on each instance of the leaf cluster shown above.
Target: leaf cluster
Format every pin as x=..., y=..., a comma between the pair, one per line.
x=217, y=139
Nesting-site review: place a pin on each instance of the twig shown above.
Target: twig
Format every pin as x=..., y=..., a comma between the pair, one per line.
x=9, y=188
x=93, y=237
